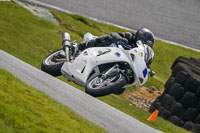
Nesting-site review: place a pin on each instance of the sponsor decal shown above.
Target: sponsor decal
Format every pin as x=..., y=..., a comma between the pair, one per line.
x=145, y=72
x=140, y=53
x=117, y=54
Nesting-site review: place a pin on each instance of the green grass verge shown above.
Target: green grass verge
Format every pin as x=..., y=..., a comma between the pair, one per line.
x=26, y=110
x=31, y=39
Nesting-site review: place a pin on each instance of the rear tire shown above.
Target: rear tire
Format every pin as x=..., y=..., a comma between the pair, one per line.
x=51, y=67
x=96, y=89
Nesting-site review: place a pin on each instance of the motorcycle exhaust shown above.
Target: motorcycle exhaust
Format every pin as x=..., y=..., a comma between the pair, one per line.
x=66, y=42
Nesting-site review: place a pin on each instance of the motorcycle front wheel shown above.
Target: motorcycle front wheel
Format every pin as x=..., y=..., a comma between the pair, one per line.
x=100, y=87
x=53, y=62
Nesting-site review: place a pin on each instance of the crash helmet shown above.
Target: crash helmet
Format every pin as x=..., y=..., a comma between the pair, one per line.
x=145, y=36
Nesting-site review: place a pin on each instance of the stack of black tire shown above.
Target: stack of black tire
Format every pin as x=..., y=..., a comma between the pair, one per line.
x=180, y=101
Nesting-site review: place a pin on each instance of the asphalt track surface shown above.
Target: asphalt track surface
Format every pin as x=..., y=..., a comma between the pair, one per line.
x=94, y=110
x=173, y=20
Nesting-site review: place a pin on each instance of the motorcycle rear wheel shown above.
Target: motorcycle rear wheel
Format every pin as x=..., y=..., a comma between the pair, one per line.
x=50, y=65
x=99, y=87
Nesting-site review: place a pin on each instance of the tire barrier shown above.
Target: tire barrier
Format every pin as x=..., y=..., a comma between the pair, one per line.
x=180, y=101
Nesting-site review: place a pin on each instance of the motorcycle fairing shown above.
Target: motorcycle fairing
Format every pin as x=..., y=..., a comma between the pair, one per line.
x=80, y=69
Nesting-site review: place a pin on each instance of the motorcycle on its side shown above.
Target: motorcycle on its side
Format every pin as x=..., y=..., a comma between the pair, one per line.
x=100, y=70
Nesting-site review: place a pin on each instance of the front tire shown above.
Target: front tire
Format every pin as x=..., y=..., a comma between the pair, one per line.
x=99, y=87
x=52, y=67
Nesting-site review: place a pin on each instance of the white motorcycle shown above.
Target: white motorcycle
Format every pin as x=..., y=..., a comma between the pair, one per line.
x=101, y=70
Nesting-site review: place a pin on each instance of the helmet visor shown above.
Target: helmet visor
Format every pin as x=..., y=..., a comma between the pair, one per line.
x=148, y=39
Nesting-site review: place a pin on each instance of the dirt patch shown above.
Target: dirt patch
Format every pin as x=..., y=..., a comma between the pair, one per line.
x=142, y=97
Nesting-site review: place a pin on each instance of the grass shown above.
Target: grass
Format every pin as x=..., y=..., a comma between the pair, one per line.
x=34, y=38
x=26, y=110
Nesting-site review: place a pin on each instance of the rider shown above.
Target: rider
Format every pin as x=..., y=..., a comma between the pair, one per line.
x=129, y=40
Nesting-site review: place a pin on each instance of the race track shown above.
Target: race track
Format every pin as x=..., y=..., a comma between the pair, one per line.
x=94, y=110
x=173, y=20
